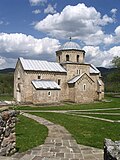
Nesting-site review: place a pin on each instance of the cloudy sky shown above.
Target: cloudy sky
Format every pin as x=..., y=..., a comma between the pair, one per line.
x=35, y=29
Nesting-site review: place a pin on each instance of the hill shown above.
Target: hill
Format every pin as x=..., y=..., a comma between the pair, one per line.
x=111, y=78
x=7, y=70
x=6, y=81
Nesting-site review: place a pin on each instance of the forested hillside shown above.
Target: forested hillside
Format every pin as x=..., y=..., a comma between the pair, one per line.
x=6, y=83
x=111, y=78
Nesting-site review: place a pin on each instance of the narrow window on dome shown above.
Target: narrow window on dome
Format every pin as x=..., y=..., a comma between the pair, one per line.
x=49, y=93
x=77, y=58
x=67, y=57
x=59, y=59
x=59, y=81
x=39, y=77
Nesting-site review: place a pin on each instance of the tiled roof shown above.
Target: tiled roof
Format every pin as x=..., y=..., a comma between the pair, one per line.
x=45, y=84
x=37, y=65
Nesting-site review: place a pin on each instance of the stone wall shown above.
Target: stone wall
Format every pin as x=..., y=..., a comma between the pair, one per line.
x=111, y=150
x=61, y=56
x=7, y=132
x=45, y=96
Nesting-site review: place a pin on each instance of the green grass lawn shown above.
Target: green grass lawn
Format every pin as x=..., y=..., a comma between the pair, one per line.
x=86, y=131
x=6, y=97
x=113, y=110
x=111, y=117
x=114, y=103
x=29, y=134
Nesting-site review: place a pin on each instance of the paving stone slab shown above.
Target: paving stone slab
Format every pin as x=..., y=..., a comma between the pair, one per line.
x=59, y=145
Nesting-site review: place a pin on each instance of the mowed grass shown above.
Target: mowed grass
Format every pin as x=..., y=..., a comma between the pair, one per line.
x=86, y=131
x=110, y=117
x=113, y=110
x=29, y=134
x=110, y=103
x=6, y=97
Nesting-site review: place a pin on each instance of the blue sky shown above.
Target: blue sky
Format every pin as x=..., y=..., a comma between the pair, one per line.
x=35, y=29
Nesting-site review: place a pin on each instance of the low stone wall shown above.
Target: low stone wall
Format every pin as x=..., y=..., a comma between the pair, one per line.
x=7, y=132
x=111, y=150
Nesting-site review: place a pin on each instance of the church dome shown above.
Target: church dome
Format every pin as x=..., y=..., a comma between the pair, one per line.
x=70, y=45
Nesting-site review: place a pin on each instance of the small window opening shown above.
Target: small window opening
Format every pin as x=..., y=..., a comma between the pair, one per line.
x=77, y=58
x=18, y=76
x=49, y=93
x=67, y=57
x=18, y=88
x=59, y=81
x=39, y=77
x=59, y=59
x=78, y=71
x=84, y=87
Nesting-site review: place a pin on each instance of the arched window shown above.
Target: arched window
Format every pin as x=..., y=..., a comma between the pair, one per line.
x=77, y=58
x=67, y=57
x=18, y=88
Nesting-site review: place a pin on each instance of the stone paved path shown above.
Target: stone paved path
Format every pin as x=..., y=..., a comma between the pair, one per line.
x=59, y=145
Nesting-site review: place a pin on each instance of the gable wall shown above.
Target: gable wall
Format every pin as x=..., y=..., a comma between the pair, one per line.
x=84, y=95
x=19, y=80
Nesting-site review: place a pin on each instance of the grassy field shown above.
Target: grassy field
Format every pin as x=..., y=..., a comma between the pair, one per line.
x=29, y=134
x=86, y=131
x=111, y=117
x=6, y=97
x=110, y=102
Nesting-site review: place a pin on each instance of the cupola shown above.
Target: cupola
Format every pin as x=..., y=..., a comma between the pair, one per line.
x=70, y=52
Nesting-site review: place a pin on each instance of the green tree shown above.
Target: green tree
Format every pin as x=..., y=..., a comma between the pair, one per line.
x=116, y=62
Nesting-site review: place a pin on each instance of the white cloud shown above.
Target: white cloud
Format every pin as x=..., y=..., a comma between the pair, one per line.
x=80, y=22
x=37, y=2
x=17, y=45
x=117, y=31
x=22, y=44
x=114, y=10
x=7, y=62
x=2, y=60
x=37, y=11
x=98, y=57
x=113, y=38
x=50, y=9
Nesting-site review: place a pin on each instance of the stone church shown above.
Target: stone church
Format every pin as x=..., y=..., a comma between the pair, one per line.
x=67, y=79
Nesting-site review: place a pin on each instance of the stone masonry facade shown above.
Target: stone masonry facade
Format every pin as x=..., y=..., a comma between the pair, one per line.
x=85, y=84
